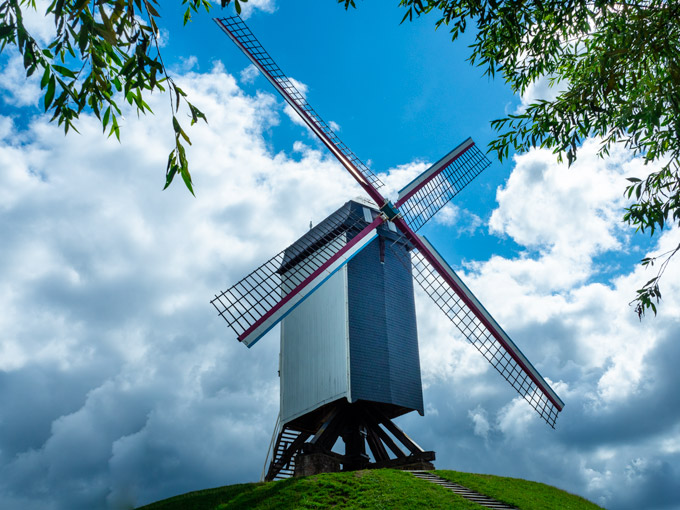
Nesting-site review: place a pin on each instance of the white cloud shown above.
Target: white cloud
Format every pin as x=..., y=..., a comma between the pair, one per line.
x=41, y=27
x=399, y=177
x=248, y=8
x=537, y=90
x=515, y=418
x=108, y=271
x=109, y=343
x=479, y=418
x=569, y=214
x=249, y=74
x=19, y=90
x=187, y=64
x=463, y=220
x=589, y=194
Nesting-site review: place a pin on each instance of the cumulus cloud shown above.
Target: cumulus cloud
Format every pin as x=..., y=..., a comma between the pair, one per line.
x=120, y=386
x=18, y=90
x=615, y=441
x=134, y=389
x=249, y=74
x=540, y=89
x=248, y=8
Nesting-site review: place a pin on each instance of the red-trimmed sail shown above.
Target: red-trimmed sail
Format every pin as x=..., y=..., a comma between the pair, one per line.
x=239, y=32
x=465, y=311
x=436, y=186
x=260, y=300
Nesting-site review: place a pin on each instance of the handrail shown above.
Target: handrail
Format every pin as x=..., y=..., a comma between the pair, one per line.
x=267, y=458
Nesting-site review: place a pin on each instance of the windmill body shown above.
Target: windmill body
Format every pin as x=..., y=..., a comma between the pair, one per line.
x=355, y=337
x=344, y=294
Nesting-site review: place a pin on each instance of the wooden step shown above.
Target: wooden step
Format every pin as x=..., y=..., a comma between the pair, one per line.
x=464, y=492
x=283, y=442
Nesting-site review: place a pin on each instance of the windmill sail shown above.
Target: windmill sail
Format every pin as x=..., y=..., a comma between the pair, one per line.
x=260, y=300
x=435, y=187
x=465, y=311
x=239, y=32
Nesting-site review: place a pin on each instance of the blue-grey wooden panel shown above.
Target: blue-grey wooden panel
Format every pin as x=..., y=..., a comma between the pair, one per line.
x=384, y=359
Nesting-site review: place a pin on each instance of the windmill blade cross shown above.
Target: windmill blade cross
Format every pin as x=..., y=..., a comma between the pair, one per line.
x=239, y=32
x=256, y=303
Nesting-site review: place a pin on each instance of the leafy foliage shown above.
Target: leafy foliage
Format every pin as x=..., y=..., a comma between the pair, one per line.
x=617, y=64
x=103, y=51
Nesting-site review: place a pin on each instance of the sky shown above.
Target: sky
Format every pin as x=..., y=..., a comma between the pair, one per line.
x=120, y=386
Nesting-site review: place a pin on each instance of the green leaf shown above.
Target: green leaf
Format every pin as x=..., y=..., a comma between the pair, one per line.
x=64, y=71
x=83, y=39
x=115, y=129
x=6, y=31
x=171, y=169
x=105, y=120
x=179, y=131
x=45, y=78
x=49, y=95
x=151, y=9
x=186, y=177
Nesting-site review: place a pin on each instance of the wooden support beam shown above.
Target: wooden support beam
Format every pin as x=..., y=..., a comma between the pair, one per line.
x=329, y=436
x=375, y=425
x=400, y=435
x=376, y=445
x=327, y=420
x=359, y=425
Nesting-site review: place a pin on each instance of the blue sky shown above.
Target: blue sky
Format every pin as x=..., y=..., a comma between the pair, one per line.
x=119, y=385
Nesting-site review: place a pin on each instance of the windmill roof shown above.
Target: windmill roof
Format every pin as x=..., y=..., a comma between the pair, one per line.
x=350, y=218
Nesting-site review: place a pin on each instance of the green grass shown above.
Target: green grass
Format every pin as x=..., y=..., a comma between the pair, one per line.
x=376, y=489
x=520, y=493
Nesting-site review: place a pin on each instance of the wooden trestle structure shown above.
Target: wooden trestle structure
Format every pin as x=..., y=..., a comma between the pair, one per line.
x=305, y=447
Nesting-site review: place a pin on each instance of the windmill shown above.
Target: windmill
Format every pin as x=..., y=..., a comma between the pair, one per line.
x=349, y=354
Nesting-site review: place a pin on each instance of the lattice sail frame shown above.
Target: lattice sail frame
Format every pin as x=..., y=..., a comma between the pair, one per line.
x=503, y=354
x=247, y=305
x=450, y=175
x=239, y=32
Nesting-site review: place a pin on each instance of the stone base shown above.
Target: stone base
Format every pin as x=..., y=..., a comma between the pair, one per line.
x=307, y=464
x=419, y=461
x=417, y=466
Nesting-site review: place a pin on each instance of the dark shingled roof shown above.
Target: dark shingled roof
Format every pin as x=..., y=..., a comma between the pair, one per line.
x=349, y=218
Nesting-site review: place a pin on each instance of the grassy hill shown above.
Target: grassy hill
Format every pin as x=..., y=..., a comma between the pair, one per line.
x=377, y=489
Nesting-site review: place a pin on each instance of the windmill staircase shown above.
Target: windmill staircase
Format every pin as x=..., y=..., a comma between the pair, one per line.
x=283, y=450
x=284, y=464
x=464, y=492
